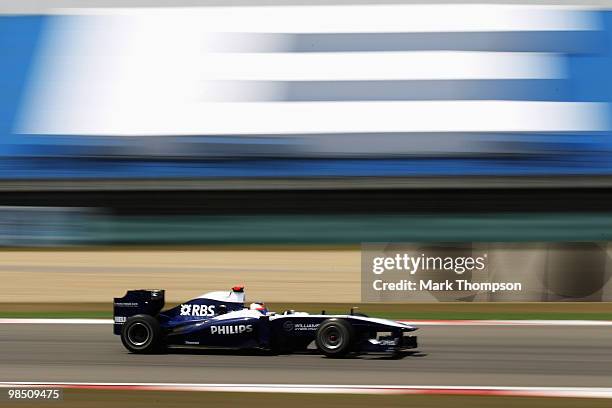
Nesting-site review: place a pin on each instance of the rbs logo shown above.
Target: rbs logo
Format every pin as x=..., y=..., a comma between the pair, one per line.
x=197, y=310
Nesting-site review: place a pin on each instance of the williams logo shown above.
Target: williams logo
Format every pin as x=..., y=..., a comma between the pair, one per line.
x=289, y=326
x=306, y=326
x=235, y=329
x=197, y=310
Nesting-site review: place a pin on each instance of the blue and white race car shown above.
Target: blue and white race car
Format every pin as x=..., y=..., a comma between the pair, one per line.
x=221, y=320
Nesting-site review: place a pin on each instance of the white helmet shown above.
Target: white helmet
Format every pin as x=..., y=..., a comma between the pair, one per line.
x=259, y=306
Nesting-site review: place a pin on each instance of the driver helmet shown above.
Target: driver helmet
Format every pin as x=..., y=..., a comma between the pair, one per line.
x=259, y=306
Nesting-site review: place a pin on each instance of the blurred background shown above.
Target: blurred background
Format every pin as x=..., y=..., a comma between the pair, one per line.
x=194, y=148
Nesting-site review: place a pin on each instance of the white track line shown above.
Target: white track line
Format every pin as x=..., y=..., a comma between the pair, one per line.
x=413, y=322
x=508, y=322
x=56, y=321
x=580, y=392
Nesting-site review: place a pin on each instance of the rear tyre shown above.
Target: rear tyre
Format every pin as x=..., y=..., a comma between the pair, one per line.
x=335, y=337
x=142, y=334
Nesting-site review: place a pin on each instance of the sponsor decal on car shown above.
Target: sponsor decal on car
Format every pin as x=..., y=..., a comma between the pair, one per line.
x=305, y=326
x=197, y=310
x=289, y=326
x=233, y=329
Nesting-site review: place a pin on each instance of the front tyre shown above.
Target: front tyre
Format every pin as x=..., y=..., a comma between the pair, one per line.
x=335, y=337
x=142, y=334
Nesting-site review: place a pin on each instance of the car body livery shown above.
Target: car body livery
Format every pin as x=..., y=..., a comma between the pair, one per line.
x=220, y=319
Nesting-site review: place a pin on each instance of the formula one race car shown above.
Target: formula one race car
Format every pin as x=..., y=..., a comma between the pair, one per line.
x=220, y=320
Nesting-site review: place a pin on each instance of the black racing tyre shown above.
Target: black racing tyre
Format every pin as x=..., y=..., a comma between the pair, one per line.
x=142, y=334
x=335, y=337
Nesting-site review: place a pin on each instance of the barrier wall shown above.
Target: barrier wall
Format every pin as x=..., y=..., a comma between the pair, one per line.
x=501, y=91
x=54, y=228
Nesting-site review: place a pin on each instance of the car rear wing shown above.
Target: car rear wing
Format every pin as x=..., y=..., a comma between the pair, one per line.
x=141, y=301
